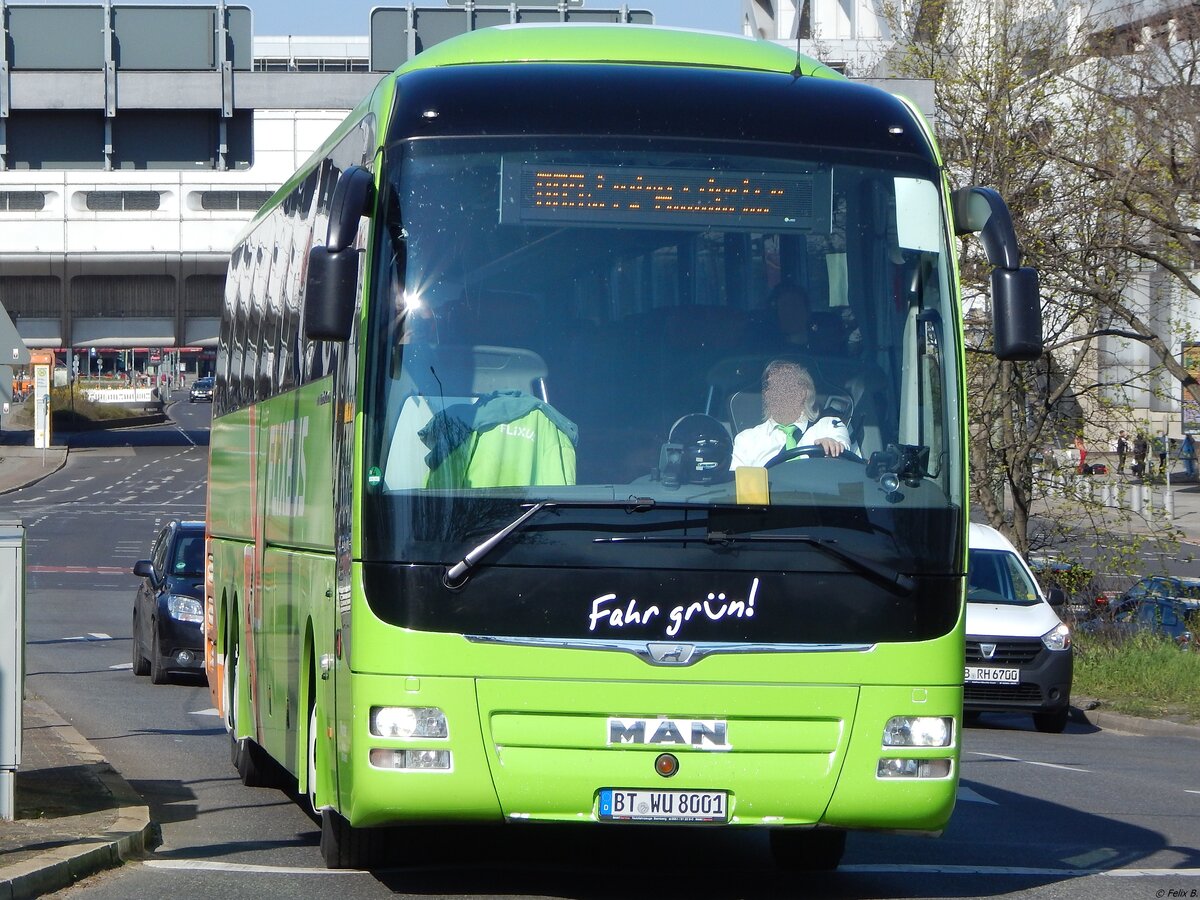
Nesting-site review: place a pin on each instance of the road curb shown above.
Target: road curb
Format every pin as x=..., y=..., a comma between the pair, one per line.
x=131, y=835
x=1114, y=721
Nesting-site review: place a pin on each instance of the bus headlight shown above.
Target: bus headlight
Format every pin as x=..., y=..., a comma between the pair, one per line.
x=408, y=722
x=1057, y=638
x=918, y=731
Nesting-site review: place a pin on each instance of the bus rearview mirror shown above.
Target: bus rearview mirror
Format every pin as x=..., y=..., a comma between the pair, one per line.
x=329, y=298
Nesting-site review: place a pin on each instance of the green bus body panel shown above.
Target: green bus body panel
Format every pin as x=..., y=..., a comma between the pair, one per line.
x=623, y=44
x=805, y=728
x=295, y=433
x=549, y=755
x=230, y=474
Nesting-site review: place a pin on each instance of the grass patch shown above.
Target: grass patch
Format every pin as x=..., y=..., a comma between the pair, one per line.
x=1141, y=675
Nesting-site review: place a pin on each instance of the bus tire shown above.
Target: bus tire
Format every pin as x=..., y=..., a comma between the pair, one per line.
x=345, y=847
x=807, y=850
x=254, y=765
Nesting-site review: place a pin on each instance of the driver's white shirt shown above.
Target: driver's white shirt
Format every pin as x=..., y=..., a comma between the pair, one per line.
x=762, y=443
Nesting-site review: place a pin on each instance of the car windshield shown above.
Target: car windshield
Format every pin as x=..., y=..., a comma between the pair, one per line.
x=580, y=319
x=997, y=576
x=187, y=559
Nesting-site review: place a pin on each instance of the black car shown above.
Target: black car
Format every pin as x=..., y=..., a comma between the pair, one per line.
x=168, y=612
x=202, y=389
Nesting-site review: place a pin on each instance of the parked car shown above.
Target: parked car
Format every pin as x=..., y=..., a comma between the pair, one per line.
x=202, y=389
x=168, y=611
x=1153, y=587
x=1166, y=616
x=1018, y=653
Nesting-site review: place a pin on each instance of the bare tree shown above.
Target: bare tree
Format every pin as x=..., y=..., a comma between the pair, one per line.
x=1027, y=105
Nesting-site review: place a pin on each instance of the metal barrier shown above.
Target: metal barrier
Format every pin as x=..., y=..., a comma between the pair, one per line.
x=12, y=658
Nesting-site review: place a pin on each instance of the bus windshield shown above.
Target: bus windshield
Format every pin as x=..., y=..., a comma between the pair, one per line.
x=589, y=320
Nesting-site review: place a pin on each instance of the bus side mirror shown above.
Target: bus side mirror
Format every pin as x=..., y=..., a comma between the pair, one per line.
x=1016, y=304
x=333, y=269
x=352, y=199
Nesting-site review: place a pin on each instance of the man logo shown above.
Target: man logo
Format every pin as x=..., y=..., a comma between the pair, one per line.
x=699, y=734
x=987, y=650
x=671, y=654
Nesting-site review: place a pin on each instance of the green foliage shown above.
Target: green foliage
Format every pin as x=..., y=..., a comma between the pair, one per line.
x=1141, y=675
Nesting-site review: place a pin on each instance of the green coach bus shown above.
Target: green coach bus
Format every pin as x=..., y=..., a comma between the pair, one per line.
x=500, y=525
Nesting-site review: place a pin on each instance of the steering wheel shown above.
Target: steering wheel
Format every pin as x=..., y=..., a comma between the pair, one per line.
x=813, y=451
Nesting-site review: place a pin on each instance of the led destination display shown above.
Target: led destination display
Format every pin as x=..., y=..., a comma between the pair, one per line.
x=652, y=196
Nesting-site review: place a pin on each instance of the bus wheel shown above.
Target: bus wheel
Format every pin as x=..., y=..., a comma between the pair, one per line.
x=254, y=767
x=345, y=847
x=807, y=850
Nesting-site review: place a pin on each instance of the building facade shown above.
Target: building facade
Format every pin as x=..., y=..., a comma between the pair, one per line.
x=137, y=141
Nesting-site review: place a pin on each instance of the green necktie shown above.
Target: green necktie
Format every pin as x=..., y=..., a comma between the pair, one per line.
x=790, y=431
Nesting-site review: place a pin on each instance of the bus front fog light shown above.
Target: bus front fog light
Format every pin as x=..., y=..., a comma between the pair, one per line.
x=408, y=722
x=426, y=759
x=384, y=758
x=913, y=768
x=918, y=731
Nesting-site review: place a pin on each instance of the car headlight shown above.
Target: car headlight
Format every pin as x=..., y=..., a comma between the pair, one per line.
x=185, y=609
x=1057, y=638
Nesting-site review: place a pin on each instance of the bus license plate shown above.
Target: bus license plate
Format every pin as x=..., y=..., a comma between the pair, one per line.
x=663, y=806
x=992, y=675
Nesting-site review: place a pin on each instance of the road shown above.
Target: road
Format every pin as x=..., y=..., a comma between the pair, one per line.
x=1088, y=812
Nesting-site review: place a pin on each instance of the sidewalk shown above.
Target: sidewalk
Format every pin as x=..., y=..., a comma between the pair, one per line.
x=1124, y=491
x=74, y=815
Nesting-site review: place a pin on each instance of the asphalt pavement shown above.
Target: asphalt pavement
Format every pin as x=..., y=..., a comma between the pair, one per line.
x=75, y=815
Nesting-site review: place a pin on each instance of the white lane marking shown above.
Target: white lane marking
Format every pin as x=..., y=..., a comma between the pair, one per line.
x=875, y=868
x=1186, y=791
x=210, y=866
x=1091, y=860
x=1021, y=871
x=90, y=636
x=1030, y=762
x=965, y=793
x=127, y=665
x=211, y=711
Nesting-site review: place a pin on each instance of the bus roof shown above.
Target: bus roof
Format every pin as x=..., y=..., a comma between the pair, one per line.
x=625, y=44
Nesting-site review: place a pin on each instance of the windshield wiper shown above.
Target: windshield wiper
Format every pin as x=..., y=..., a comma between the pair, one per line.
x=456, y=575
x=897, y=582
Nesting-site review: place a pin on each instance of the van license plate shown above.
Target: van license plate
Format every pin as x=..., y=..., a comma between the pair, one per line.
x=663, y=806
x=992, y=675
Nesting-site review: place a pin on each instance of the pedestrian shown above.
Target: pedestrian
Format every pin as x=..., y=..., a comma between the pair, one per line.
x=1160, y=450
x=1140, y=448
x=1082, y=451
x=1187, y=454
x=1122, y=451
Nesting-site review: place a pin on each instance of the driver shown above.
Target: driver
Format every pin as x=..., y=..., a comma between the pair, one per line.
x=790, y=404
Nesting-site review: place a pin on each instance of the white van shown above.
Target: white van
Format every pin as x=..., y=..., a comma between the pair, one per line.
x=1019, y=656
